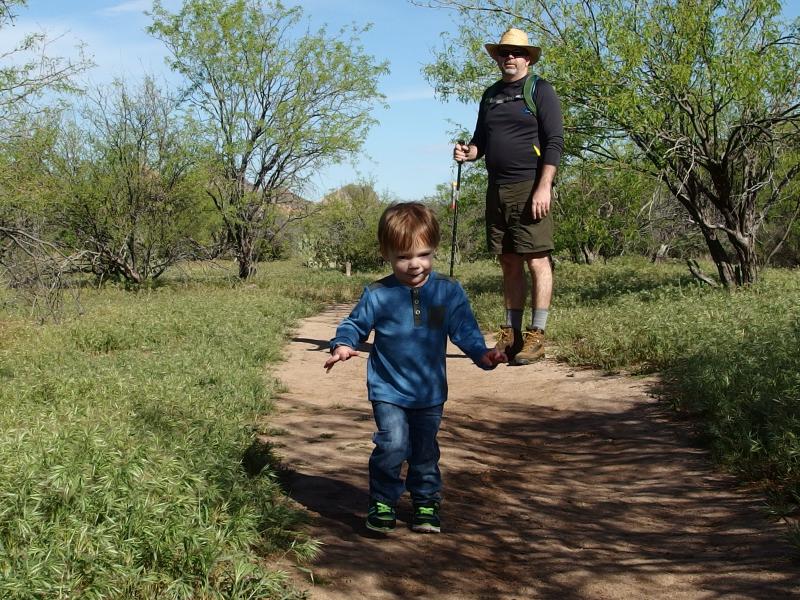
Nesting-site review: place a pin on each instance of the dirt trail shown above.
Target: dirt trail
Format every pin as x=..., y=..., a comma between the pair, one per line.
x=558, y=483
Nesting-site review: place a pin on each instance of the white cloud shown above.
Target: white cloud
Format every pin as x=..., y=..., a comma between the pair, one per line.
x=126, y=7
x=120, y=52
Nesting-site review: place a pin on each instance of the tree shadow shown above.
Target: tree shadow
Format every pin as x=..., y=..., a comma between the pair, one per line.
x=558, y=504
x=339, y=502
x=324, y=345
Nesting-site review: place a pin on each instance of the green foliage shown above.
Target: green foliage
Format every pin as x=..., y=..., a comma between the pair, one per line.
x=471, y=226
x=345, y=229
x=706, y=91
x=25, y=190
x=276, y=103
x=598, y=210
x=730, y=360
x=128, y=195
x=28, y=72
x=124, y=434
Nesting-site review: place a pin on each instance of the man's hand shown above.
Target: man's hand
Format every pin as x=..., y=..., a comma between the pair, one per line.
x=339, y=353
x=464, y=152
x=540, y=203
x=494, y=357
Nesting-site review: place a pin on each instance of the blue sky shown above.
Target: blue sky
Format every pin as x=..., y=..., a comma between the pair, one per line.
x=406, y=154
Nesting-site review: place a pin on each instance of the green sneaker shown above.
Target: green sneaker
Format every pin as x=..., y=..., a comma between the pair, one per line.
x=426, y=518
x=380, y=516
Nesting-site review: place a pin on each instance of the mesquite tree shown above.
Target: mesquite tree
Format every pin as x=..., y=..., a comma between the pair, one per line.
x=128, y=193
x=276, y=103
x=707, y=91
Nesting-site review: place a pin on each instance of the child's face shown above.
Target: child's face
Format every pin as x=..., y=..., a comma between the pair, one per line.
x=412, y=267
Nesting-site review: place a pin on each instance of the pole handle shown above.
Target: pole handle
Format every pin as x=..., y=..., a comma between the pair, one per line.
x=460, y=143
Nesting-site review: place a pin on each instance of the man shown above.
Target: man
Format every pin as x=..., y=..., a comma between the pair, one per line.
x=522, y=152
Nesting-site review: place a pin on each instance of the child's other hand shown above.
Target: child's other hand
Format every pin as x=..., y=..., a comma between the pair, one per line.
x=339, y=353
x=494, y=357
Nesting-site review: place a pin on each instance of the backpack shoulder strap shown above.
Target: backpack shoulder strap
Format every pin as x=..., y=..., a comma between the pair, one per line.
x=528, y=90
x=491, y=91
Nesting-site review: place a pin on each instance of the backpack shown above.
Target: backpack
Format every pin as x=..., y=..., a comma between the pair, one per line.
x=527, y=95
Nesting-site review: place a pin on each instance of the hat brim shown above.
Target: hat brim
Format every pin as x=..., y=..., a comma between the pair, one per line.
x=533, y=51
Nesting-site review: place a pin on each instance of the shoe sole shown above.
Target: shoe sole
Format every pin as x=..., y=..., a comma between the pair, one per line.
x=519, y=361
x=426, y=528
x=372, y=527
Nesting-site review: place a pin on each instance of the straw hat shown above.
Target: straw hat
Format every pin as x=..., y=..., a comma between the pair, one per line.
x=517, y=38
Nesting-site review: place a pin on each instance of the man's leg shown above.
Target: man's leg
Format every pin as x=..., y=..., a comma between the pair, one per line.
x=513, y=281
x=541, y=294
x=509, y=339
x=541, y=287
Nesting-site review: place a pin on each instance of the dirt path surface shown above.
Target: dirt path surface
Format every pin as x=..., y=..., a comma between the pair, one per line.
x=558, y=483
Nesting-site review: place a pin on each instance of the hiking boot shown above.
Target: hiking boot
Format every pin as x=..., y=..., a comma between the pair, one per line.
x=509, y=340
x=426, y=518
x=532, y=347
x=380, y=516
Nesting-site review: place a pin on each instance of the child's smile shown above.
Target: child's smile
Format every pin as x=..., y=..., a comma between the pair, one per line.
x=412, y=267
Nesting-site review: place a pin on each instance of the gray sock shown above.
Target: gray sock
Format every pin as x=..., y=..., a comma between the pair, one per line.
x=539, y=318
x=514, y=317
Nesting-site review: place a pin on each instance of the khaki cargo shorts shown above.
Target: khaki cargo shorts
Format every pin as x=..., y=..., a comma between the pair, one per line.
x=510, y=227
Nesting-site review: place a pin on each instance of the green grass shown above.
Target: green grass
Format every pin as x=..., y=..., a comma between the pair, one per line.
x=124, y=430
x=730, y=360
x=123, y=437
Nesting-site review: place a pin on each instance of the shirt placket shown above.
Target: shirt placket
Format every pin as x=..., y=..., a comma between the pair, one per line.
x=416, y=303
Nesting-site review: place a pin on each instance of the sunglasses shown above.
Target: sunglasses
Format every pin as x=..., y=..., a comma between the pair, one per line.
x=515, y=52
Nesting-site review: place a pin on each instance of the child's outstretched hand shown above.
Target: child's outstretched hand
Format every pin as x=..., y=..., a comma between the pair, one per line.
x=494, y=357
x=339, y=353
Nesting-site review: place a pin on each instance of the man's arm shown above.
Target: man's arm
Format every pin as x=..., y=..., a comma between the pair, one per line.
x=551, y=135
x=542, y=195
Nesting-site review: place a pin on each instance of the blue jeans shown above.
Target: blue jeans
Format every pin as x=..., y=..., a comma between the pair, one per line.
x=405, y=434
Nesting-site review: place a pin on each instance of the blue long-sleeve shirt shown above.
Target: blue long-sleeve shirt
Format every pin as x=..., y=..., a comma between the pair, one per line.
x=407, y=361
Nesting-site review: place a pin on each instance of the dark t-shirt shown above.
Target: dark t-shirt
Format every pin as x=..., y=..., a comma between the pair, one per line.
x=507, y=131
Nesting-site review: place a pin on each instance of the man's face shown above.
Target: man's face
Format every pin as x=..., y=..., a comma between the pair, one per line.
x=513, y=62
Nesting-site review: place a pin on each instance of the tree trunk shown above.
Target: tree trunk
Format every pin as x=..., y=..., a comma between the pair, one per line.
x=660, y=253
x=748, y=268
x=588, y=254
x=727, y=274
x=691, y=201
x=244, y=253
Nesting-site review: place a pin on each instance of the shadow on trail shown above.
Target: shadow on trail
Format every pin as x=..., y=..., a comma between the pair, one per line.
x=566, y=502
x=331, y=498
x=324, y=345
x=366, y=347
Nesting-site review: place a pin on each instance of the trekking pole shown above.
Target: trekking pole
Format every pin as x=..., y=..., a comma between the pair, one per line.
x=454, y=206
